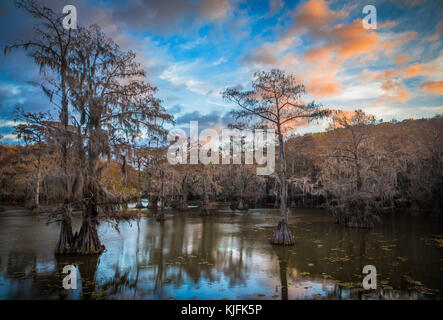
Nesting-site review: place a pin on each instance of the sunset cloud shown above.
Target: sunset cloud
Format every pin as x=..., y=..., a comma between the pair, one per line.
x=418, y=69
x=435, y=87
x=402, y=58
x=395, y=91
x=193, y=50
x=316, y=16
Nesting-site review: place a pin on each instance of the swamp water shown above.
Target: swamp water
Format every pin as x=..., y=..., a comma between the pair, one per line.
x=226, y=256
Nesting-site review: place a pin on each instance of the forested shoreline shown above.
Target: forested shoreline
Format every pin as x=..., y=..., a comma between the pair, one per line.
x=399, y=163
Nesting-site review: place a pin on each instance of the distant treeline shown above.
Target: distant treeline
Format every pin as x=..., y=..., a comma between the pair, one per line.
x=380, y=166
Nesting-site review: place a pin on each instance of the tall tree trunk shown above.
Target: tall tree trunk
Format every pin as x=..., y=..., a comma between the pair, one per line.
x=124, y=171
x=37, y=187
x=282, y=235
x=241, y=202
x=204, y=209
x=66, y=237
x=153, y=203
x=184, y=196
x=64, y=116
x=161, y=216
x=358, y=174
x=87, y=240
x=139, y=204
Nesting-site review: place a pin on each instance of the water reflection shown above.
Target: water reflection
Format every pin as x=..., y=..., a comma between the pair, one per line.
x=225, y=256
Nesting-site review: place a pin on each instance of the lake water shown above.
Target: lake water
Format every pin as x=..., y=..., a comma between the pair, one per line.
x=226, y=256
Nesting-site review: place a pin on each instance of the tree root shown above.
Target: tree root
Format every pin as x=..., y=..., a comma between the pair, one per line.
x=282, y=235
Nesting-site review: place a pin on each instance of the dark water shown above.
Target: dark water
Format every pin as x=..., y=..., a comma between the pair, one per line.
x=226, y=255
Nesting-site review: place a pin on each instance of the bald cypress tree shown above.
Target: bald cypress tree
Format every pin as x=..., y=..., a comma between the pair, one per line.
x=114, y=105
x=50, y=47
x=275, y=101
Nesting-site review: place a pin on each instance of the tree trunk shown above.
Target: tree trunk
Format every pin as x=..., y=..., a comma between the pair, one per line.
x=204, y=209
x=87, y=240
x=64, y=116
x=124, y=171
x=153, y=204
x=282, y=235
x=37, y=187
x=161, y=216
x=241, y=205
x=139, y=204
x=184, y=196
x=358, y=173
x=184, y=202
x=66, y=238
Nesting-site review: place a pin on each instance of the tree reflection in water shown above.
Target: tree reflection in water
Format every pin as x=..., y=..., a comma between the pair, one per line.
x=226, y=255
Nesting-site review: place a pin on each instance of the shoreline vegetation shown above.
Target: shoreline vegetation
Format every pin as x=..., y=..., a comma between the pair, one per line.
x=241, y=189
x=91, y=158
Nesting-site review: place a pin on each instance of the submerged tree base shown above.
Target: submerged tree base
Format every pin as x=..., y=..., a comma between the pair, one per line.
x=357, y=211
x=282, y=235
x=66, y=238
x=85, y=242
x=355, y=222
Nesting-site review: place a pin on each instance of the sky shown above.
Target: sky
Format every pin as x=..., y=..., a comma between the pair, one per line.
x=192, y=50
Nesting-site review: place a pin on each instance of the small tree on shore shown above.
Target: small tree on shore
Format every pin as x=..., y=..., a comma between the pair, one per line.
x=275, y=99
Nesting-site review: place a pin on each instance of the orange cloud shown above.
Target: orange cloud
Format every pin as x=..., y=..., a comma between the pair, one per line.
x=353, y=40
x=433, y=86
x=367, y=75
x=387, y=74
x=402, y=58
x=321, y=87
x=388, y=24
x=315, y=15
x=418, y=69
x=313, y=56
x=338, y=43
x=343, y=42
x=395, y=91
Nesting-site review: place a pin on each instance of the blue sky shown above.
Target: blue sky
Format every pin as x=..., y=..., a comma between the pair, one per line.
x=193, y=50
